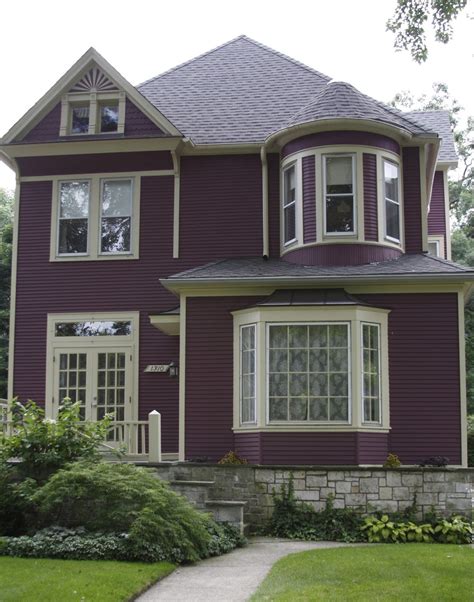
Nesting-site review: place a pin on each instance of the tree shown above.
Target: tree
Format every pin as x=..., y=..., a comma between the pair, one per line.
x=461, y=193
x=6, y=236
x=409, y=22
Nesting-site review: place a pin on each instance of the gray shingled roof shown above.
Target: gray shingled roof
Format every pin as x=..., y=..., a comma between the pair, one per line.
x=340, y=99
x=243, y=91
x=259, y=269
x=438, y=121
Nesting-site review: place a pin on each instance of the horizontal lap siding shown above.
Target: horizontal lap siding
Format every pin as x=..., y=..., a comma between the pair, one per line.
x=209, y=375
x=273, y=162
x=424, y=375
x=412, y=200
x=221, y=206
x=370, y=197
x=247, y=446
x=47, y=128
x=340, y=137
x=356, y=254
x=309, y=448
x=437, y=214
x=372, y=448
x=309, y=199
x=137, y=124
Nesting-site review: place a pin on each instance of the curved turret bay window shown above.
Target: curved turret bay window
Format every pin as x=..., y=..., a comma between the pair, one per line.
x=321, y=366
x=339, y=194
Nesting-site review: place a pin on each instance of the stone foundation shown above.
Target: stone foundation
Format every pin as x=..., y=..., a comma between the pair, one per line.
x=367, y=489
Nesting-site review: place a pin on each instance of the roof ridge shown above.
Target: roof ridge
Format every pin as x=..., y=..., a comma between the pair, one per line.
x=464, y=268
x=196, y=58
x=241, y=37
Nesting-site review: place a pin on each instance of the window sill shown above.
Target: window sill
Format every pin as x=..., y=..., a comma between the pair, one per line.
x=61, y=258
x=312, y=428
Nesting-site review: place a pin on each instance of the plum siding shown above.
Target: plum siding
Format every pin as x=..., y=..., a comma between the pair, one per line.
x=412, y=200
x=137, y=124
x=46, y=129
x=248, y=446
x=372, y=448
x=221, y=207
x=209, y=375
x=273, y=161
x=356, y=254
x=95, y=163
x=350, y=137
x=370, y=197
x=424, y=375
x=437, y=214
x=309, y=199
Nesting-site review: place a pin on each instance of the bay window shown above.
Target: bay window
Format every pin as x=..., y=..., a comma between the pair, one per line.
x=392, y=201
x=339, y=194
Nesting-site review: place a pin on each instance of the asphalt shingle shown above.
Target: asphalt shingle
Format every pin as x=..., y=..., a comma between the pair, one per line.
x=438, y=121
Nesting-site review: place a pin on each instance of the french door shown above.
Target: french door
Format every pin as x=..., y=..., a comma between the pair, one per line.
x=100, y=379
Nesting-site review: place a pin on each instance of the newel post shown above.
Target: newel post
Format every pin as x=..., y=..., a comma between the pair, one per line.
x=154, y=436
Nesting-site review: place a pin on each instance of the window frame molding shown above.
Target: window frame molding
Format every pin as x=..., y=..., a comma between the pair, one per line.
x=241, y=397
x=130, y=343
x=356, y=315
x=355, y=200
x=380, y=379
x=387, y=199
x=298, y=205
x=93, y=100
x=94, y=252
x=439, y=239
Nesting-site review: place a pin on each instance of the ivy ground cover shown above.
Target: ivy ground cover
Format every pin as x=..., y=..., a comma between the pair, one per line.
x=415, y=572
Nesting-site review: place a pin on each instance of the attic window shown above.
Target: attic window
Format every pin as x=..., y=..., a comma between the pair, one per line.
x=92, y=114
x=109, y=115
x=79, y=120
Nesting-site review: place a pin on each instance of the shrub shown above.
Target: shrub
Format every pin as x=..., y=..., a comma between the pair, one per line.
x=385, y=530
x=294, y=519
x=470, y=440
x=117, y=498
x=232, y=458
x=16, y=508
x=439, y=461
x=44, y=445
x=392, y=461
x=454, y=530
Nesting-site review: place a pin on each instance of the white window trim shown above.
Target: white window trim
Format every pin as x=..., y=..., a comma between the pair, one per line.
x=386, y=198
x=94, y=225
x=268, y=422
x=94, y=100
x=353, y=232
x=296, y=203
x=240, y=375
x=355, y=315
x=379, y=335
x=440, y=244
x=130, y=343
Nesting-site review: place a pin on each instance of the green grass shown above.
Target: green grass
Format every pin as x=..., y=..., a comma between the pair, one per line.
x=412, y=572
x=45, y=580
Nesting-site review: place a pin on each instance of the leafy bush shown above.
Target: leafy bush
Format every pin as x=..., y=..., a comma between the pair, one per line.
x=385, y=530
x=454, y=530
x=438, y=461
x=392, y=461
x=294, y=519
x=44, y=445
x=470, y=440
x=232, y=458
x=119, y=498
x=16, y=508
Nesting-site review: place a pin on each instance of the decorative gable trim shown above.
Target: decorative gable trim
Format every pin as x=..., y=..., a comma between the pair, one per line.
x=90, y=68
x=94, y=81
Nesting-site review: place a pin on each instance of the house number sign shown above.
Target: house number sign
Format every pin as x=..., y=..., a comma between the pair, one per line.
x=157, y=368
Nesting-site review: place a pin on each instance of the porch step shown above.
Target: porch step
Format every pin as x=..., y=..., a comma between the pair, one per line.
x=228, y=511
x=195, y=491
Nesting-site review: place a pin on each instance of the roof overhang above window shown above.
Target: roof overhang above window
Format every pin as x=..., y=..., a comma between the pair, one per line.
x=167, y=322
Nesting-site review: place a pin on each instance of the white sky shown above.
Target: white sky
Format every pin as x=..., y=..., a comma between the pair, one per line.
x=345, y=39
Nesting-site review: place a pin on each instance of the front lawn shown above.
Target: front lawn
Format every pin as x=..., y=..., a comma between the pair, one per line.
x=45, y=580
x=383, y=572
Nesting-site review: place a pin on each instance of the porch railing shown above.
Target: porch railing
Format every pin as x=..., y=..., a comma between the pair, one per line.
x=6, y=424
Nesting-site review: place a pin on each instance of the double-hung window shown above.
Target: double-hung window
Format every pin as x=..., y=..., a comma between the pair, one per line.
x=339, y=194
x=392, y=201
x=371, y=372
x=289, y=205
x=96, y=217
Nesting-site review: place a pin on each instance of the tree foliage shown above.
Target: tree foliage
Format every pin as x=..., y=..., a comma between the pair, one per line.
x=410, y=19
x=6, y=236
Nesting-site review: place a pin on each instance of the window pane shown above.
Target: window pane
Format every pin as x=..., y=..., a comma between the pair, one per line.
x=115, y=234
x=298, y=336
x=72, y=236
x=289, y=204
x=339, y=175
x=391, y=181
x=392, y=212
x=109, y=118
x=278, y=385
x=80, y=120
x=116, y=198
x=433, y=248
x=247, y=374
x=90, y=329
x=278, y=360
x=289, y=216
x=298, y=409
x=278, y=409
x=74, y=199
x=371, y=372
x=339, y=214
x=338, y=408
x=278, y=337
x=318, y=409
x=289, y=186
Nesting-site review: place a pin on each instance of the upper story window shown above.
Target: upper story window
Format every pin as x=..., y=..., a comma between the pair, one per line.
x=392, y=200
x=339, y=194
x=289, y=205
x=95, y=218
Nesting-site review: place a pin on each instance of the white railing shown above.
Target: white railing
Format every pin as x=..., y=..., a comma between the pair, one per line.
x=6, y=424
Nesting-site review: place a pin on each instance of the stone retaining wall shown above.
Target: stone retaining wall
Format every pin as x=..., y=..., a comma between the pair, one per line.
x=367, y=489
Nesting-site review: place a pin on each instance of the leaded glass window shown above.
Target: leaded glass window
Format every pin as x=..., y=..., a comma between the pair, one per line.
x=392, y=201
x=289, y=204
x=248, y=374
x=116, y=212
x=339, y=194
x=308, y=372
x=371, y=372
x=73, y=217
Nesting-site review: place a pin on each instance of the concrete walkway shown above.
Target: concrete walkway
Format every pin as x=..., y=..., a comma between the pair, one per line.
x=233, y=577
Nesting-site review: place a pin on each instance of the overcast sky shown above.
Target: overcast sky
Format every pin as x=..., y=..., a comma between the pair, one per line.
x=345, y=39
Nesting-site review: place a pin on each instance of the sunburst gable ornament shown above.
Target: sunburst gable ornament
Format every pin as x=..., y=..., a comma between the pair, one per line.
x=94, y=81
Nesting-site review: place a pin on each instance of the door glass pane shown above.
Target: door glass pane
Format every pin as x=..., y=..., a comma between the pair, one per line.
x=111, y=387
x=73, y=379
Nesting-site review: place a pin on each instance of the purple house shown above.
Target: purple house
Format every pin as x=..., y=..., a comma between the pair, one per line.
x=256, y=251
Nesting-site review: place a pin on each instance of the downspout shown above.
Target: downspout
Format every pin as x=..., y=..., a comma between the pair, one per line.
x=176, y=198
x=263, y=157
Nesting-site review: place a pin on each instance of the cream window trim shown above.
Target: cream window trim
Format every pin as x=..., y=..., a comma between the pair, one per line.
x=440, y=244
x=383, y=157
x=356, y=171
x=94, y=224
x=128, y=343
x=397, y=202
x=355, y=316
x=93, y=101
x=297, y=204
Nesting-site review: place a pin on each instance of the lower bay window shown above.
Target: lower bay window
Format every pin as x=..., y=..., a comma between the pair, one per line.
x=311, y=368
